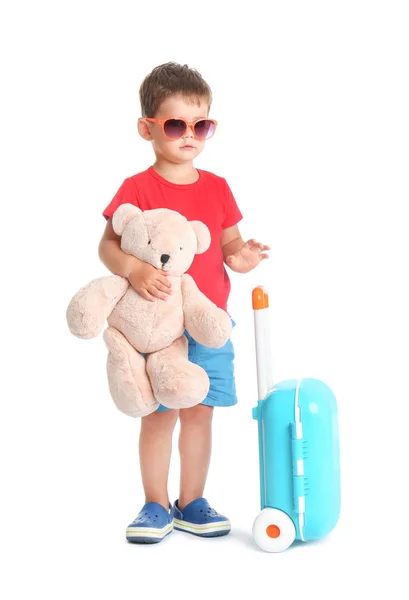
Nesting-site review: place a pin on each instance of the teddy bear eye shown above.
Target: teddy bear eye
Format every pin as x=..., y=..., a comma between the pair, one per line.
x=149, y=242
x=181, y=248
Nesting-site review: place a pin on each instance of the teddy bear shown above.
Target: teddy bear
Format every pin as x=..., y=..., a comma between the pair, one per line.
x=147, y=361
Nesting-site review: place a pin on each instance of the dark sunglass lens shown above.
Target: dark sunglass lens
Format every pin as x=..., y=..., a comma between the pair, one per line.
x=204, y=129
x=175, y=128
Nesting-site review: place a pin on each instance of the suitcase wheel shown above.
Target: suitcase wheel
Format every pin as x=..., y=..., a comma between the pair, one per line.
x=273, y=530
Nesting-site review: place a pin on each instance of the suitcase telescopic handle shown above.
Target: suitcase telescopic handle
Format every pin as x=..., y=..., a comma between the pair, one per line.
x=262, y=338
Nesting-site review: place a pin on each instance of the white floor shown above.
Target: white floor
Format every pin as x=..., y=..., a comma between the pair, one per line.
x=83, y=558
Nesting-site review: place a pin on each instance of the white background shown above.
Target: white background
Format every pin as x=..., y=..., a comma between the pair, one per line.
x=312, y=100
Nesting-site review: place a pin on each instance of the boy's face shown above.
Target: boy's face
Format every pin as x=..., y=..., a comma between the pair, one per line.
x=187, y=147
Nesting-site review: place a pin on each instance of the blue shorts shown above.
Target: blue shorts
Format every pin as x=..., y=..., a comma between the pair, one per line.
x=219, y=366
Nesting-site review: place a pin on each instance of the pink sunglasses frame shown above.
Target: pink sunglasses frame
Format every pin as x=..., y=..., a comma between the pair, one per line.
x=189, y=124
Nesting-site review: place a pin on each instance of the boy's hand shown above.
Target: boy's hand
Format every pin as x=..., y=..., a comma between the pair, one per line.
x=149, y=282
x=248, y=257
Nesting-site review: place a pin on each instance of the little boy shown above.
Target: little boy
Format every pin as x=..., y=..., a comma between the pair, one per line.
x=175, y=103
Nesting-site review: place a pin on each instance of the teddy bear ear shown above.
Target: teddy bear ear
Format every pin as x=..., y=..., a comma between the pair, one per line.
x=122, y=216
x=202, y=236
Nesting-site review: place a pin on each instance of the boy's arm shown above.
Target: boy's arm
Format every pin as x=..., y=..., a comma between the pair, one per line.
x=241, y=256
x=149, y=282
x=112, y=255
x=231, y=241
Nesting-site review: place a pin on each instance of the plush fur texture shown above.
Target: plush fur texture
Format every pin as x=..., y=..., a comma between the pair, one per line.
x=166, y=240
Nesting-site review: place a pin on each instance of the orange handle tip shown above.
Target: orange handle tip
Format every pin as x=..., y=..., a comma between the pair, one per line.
x=260, y=298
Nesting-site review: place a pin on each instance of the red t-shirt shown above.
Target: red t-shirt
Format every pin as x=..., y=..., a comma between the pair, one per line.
x=209, y=200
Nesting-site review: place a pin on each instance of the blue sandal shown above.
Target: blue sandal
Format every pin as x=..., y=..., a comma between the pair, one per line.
x=151, y=525
x=200, y=519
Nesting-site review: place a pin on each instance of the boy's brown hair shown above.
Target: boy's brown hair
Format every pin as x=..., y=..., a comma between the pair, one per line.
x=171, y=79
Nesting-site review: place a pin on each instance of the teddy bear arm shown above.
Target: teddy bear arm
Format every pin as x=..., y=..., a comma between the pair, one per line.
x=91, y=306
x=205, y=322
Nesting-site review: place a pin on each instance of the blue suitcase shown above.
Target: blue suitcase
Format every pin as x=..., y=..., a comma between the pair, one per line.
x=298, y=451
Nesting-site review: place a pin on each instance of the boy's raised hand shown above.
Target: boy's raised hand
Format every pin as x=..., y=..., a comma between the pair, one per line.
x=149, y=282
x=248, y=257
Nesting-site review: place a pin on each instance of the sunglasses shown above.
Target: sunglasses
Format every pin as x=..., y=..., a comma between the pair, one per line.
x=174, y=129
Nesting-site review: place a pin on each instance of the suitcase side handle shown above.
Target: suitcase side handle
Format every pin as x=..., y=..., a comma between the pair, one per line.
x=262, y=338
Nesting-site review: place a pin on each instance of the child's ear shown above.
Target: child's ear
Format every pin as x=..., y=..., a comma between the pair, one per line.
x=122, y=216
x=144, y=129
x=202, y=236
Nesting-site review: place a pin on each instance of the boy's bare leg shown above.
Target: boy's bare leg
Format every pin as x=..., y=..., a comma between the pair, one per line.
x=155, y=447
x=195, y=443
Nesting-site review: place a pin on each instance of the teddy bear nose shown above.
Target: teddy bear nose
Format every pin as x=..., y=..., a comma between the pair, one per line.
x=164, y=258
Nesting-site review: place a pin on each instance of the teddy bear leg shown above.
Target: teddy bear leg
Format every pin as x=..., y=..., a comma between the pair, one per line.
x=176, y=382
x=127, y=378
